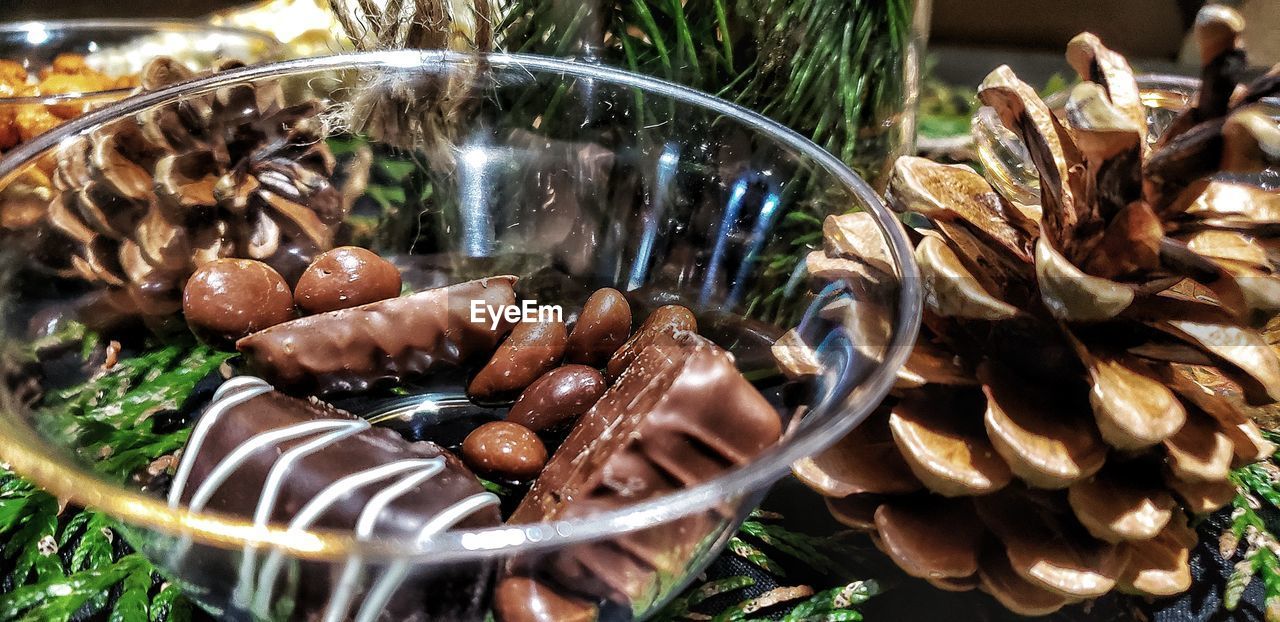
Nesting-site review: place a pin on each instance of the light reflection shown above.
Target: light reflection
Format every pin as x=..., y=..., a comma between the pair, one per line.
x=36, y=33
x=653, y=215
x=296, y=539
x=764, y=220
x=493, y=539
x=473, y=201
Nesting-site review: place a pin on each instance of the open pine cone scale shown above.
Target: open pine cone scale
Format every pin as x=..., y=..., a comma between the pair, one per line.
x=235, y=173
x=1081, y=382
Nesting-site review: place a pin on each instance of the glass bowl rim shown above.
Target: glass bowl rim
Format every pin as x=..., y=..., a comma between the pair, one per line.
x=66, y=479
x=141, y=26
x=1180, y=83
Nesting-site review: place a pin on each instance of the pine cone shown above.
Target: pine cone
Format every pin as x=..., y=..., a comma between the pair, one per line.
x=1054, y=427
x=141, y=203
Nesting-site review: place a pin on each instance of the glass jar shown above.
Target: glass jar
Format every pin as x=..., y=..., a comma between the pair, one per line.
x=844, y=74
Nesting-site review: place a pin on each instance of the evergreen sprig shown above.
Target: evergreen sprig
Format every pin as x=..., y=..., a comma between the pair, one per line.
x=1250, y=538
x=827, y=556
x=63, y=562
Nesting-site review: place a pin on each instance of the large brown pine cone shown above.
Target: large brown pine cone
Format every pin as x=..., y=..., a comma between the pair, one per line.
x=1079, y=387
x=141, y=203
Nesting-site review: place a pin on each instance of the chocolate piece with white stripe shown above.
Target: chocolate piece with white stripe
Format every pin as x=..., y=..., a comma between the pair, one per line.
x=263, y=455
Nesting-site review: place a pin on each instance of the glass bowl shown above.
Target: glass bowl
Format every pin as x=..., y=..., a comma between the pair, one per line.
x=573, y=177
x=119, y=48
x=116, y=48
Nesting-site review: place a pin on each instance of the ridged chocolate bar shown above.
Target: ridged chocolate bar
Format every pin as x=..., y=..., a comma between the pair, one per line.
x=380, y=343
x=681, y=414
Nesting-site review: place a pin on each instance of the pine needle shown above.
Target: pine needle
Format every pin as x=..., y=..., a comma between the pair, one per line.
x=1249, y=537
x=70, y=562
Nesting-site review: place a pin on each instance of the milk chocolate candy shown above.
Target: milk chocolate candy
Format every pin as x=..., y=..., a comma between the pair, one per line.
x=381, y=343
x=681, y=414
x=271, y=458
x=533, y=349
x=602, y=328
x=560, y=395
x=662, y=323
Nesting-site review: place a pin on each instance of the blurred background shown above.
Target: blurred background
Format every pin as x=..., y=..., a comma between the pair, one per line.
x=966, y=35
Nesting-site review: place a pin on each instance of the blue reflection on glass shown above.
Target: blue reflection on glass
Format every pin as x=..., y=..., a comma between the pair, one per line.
x=759, y=237
x=839, y=358
x=764, y=220
x=473, y=204
x=653, y=215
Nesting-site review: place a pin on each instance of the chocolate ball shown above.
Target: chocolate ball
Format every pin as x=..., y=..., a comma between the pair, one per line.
x=227, y=299
x=345, y=277
x=521, y=599
x=504, y=449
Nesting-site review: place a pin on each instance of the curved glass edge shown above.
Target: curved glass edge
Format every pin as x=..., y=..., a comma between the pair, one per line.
x=273, y=48
x=232, y=532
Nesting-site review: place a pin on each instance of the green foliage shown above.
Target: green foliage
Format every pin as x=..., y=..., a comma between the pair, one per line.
x=945, y=110
x=1250, y=537
x=826, y=556
x=834, y=604
x=66, y=562
x=108, y=419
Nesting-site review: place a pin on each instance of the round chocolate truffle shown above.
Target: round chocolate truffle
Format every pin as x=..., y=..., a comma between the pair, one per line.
x=345, y=277
x=227, y=299
x=504, y=449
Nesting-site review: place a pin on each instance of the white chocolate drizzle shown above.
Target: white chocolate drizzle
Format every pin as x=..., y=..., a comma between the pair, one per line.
x=271, y=490
x=347, y=583
x=232, y=393
x=257, y=591
x=395, y=574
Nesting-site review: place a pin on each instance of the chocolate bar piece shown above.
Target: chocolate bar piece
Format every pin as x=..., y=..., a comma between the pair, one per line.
x=261, y=454
x=679, y=415
x=381, y=343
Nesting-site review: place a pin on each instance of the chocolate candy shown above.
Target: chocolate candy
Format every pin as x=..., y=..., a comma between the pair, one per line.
x=531, y=350
x=227, y=299
x=602, y=327
x=345, y=277
x=505, y=449
x=666, y=320
x=519, y=599
x=262, y=455
x=380, y=343
x=560, y=395
x=681, y=414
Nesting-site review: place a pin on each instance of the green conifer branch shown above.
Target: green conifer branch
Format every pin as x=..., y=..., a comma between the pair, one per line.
x=64, y=562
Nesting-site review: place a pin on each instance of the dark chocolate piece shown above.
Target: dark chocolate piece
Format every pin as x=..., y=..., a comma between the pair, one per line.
x=681, y=414
x=277, y=459
x=380, y=343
